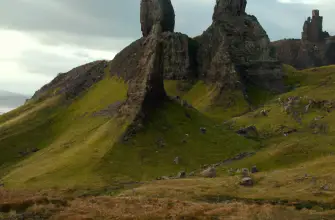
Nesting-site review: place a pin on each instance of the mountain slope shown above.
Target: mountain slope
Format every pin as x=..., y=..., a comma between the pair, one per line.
x=77, y=141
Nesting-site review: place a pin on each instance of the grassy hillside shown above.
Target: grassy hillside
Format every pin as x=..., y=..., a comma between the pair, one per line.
x=78, y=141
x=80, y=150
x=70, y=137
x=308, y=121
x=208, y=100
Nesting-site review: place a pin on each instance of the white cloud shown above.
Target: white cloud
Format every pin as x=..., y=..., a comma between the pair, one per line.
x=26, y=64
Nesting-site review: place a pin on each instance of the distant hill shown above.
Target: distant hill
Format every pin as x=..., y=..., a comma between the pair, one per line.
x=11, y=100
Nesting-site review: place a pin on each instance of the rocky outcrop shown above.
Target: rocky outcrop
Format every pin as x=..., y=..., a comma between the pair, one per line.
x=314, y=49
x=154, y=12
x=235, y=48
x=146, y=88
x=180, y=61
x=179, y=57
x=231, y=7
x=72, y=83
x=330, y=51
x=232, y=53
x=312, y=29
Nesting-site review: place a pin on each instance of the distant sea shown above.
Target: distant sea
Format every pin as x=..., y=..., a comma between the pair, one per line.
x=4, y=109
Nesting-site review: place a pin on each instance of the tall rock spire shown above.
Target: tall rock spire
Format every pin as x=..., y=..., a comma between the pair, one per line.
x=312, y=29
x=157, y=11
x=229, y=7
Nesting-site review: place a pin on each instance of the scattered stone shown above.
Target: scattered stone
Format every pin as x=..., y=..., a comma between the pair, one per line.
x=191, y=173
x=176, y=160
x=188, y=115
x=181, y=174
x=245, y=172
x=265, y=112
x=254, y=169
x=325, y=187
x=286, y=133
x=247, y=181
x=24, y=153
x=160, y=143
x=209, y=172
x=250, y=131
x=203, y=130
x=34, y=150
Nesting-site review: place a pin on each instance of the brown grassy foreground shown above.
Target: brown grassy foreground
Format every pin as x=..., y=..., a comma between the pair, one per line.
x=49, y=205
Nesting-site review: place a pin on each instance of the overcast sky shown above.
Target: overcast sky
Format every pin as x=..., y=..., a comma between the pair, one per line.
x=40, y=38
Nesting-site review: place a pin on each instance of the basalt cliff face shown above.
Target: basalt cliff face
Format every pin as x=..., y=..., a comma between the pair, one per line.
x=236, y=48
x=233, y=52
x=314, y=49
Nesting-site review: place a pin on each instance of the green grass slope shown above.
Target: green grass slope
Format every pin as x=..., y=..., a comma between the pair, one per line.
x=312, y=133
x=70, y=138
x=173, y=131
x=78, y=148
x=207, y=99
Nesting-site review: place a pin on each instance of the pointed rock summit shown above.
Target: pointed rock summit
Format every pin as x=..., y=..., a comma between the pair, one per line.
x=229, y=7
x=154, y=12
x=315, y=48
x=236, y=48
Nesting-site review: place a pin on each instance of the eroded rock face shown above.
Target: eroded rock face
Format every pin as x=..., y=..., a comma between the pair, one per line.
x=314, y=49
x=312, y=29
x=229, y=7
x=73, y=82
x=146, y=88
x=330, y=51
x=179, y=57
x=154, y=12
x=236, y=48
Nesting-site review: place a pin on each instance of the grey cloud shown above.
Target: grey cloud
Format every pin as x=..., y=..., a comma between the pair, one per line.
x=112, y=24
x=49, y=64
x=89, y=42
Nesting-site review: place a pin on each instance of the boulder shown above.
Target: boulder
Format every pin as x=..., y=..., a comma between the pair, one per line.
x=176, y=160
x=156, y=12
x=209, y=172
x=250, y=131
x=203, y=130
x=254, y=169
x=245, y=172
x=247, y=181
x=181, y=174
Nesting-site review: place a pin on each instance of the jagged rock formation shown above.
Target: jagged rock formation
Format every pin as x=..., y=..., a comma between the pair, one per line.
x=72, y=83
x=232, y=53
x=154, y=12
x=179, y=57
x=232, y=7
x=146, y=87
x=312, y=29
x=236, y=48
x=312, y=50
